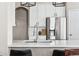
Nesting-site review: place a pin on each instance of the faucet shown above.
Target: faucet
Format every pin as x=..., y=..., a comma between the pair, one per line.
x=36, y=31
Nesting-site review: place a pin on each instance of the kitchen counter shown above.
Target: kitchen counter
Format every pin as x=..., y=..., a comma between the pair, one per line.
x=54, y=43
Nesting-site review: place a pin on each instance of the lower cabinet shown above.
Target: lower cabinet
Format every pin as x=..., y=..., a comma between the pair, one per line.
x=38, y=51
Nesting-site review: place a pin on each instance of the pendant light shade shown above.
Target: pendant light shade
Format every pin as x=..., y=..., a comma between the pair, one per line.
x=28, y=4
x=58, y=4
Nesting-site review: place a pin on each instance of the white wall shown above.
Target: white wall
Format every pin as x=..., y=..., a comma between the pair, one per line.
x=42, y=10
x=3, y=28
x=11, y=21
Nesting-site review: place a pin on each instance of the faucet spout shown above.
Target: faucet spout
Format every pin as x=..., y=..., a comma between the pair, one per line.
x=36, y=31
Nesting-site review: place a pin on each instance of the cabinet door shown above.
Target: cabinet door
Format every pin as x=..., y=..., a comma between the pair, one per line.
x=73, y=24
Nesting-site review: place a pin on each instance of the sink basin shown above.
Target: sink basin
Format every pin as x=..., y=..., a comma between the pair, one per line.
x=39, y=41
x=32, y=41
x=44, y=41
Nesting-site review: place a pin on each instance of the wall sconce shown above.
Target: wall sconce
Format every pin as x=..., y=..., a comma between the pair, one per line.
x=28, y=4
x=58, y=4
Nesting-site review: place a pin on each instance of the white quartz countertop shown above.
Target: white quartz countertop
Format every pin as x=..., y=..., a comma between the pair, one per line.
x=57, y=43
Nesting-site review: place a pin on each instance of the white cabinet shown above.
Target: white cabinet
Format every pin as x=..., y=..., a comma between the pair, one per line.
x=73, y=21
x=74, y=24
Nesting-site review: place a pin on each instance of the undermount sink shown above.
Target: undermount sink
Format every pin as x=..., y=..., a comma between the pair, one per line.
x=44, y=41
x=32, y=41
x=39, y=41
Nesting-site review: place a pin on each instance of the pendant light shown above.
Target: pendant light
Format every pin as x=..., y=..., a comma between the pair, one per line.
x=58, y=4
x=28, y=4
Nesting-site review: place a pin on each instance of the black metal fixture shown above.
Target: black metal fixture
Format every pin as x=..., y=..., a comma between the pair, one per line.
x=58, y=4
x=28, y=4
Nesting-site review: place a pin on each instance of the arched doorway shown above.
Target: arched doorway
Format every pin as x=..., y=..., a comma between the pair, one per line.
x=20, y=31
